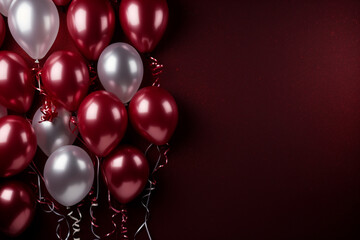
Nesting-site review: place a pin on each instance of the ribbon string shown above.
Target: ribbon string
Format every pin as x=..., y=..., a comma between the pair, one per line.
x=48, y=109
x=76, y=224
x=151, y=186
x=43, y=201
x=156, y=70
x=95, y=204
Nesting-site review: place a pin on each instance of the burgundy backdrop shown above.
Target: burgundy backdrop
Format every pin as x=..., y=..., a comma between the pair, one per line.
x=268, y=143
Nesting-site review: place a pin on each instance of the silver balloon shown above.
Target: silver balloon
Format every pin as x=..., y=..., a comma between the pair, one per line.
x=4, y=6
x=69, y=175
x=120, y=70
x=34, y=24
x=3, y=111
x=52, y=135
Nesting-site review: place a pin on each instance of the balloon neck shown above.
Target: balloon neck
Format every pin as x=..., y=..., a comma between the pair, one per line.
x=37, y=61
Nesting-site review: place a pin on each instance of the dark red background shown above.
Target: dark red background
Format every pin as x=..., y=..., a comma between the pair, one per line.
x=268, y=143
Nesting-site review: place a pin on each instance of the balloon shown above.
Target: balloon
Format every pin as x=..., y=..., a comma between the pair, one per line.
x=91, y=25
x=61, y=2
x=2, y=30
x=125, y=172
x=69, y=175
x=34, y=25
x=53, y=135
x=120, y=70
x=102, y=121
x=144, y=22
x=17, y=207
x=3, y=111
x=17, y=145
x=4, y=6
x=16, y=89
x=154, y=114
x=66, y=79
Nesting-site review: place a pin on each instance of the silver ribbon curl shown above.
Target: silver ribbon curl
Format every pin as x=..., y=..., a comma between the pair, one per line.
x=151, y=187
x=76, y=224
x=51, y=206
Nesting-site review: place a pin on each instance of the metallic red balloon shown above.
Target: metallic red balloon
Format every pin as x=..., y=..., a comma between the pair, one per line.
x=66, y=78
x=2, y=30
x=61, y=2
x=154, y=114
x=125, y=172
x=17, y=207
x=16, y=83
x=91, y=25
x=144, y=22
x=17, y=145
x=102, y=122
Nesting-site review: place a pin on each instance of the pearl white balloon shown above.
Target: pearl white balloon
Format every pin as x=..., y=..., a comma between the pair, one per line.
x=4, y=6
x=34, y=24
x=3, y=111
x=69, y=175
x=120, y=70
x=53, y=135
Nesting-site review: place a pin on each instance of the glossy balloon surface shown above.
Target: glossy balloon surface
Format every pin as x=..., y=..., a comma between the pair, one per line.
x=17, y=145
x=55, y=134
x=144, y=22
x=69, y=175
x=16, y=83
x=4, y=6
x=154, y=114
x=17, y=207
x=125, y=172
x=102, y=122
x=91, y=25
x=66, y=79
x=120, y=70
x=34, y=24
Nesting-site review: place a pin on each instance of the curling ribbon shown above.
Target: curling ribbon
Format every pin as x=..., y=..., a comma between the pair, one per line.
x=43, y=201
x=93, y=73
x=94, y=204
x=124, y=217
x=76, y=224
x=152, y=182
x=48, y=109
x=156, y=70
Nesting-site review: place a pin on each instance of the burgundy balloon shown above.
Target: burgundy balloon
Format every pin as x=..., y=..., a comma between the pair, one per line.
x=144, y=22
x=61, y=2
x=2, y=30
x=17, y=145
x=66, y=78
x=91, y=25
x=16, y=83
x=17, y=207
x=154, y=114
x=125, y=173
x=102, y=122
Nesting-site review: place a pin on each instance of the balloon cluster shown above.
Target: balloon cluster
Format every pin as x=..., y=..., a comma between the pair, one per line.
x=71, y=107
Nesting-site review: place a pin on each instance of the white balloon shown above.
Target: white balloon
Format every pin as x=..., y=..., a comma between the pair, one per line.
x=120, y=70
x=4, y=6
x=34, y=24
x=69, y=175
x=53, y=135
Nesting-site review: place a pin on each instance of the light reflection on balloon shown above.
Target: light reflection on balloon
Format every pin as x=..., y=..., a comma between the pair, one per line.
x=69, y=175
